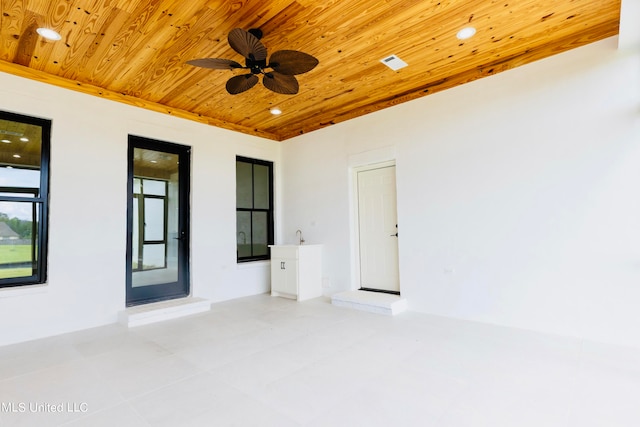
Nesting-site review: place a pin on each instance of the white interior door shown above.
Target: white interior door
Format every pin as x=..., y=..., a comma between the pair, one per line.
x=378, y=229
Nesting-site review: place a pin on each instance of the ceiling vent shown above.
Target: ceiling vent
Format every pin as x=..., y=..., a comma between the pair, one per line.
x=393, y=62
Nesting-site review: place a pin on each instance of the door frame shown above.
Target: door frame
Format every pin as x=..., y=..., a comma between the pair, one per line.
x=182, y=288
x=355, y=219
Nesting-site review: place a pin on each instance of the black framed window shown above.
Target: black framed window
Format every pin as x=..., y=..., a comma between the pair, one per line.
x=254, y=209
x=151, y=213
x=24, y=196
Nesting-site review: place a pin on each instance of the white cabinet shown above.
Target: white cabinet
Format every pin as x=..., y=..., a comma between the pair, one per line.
x=296, y=271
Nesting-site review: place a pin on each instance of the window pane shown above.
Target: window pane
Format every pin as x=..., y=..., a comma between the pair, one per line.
x=244, y=190
x=18, y=182
x=154, y=164
x=154, y=187
x=137, y=186
x=18, y=243
x=153, y=256
x=260, y=187
x=135, y=250
x=260, y=233
x=20, y=146
x=153, y=219
x=243, y=233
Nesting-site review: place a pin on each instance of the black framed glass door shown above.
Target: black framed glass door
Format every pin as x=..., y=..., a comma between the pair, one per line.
x=157, y=221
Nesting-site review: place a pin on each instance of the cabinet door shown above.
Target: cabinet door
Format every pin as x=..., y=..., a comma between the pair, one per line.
x=285, y=275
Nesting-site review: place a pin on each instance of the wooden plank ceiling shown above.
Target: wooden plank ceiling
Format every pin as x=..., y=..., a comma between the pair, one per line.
x=134, y=51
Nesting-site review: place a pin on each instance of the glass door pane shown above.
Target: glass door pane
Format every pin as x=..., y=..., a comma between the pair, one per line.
x=154, y=170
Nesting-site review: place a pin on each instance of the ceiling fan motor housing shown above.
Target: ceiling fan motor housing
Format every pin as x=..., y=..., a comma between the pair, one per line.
x=256, y=67
x=256, y=32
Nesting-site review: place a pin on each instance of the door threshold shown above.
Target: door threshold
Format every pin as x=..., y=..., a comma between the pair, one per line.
x=383, y=291
x=164, y=310
x=373, y=302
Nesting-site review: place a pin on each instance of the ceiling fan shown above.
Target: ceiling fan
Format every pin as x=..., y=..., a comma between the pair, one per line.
x=278, y=73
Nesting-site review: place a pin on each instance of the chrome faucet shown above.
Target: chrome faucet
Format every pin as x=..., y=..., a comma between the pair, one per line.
x=301, y=239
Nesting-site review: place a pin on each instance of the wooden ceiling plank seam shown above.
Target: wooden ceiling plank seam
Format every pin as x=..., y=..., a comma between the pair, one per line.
x=132, y=43
x=37, y=7
x=10, y=26
x=389, y=19
x=154, y=85
x=96, y=58
x=80, y=39
x=328, y=20
x=121, y=39
x=169, y=50
x=58, y=15
x=83, y=27
x=209, y=14
x=281, y=23
x=28, y=39
x=256, y=14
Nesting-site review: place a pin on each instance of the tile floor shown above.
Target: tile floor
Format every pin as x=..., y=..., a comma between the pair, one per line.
x=263, y=361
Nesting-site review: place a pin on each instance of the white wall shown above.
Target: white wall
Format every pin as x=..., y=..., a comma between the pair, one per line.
x=518, y=195
x=87, y=228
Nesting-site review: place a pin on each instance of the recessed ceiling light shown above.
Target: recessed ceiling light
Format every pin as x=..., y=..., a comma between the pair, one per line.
x=465, y=33
x=24, y=139
x=17, y=156
x=6, y=141
x=49, y=34
x=275, y=111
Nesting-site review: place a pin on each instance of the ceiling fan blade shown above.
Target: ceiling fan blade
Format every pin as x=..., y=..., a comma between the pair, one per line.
x=247, y=45
x=239, y=84
x=280, y=83
x=215, y=63
x=292, y=62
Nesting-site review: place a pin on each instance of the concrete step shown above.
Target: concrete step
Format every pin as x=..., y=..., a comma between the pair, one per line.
x=374, y=302
x=163, y=310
